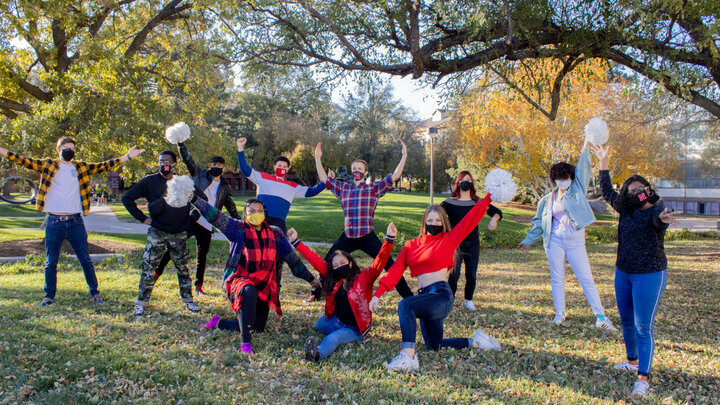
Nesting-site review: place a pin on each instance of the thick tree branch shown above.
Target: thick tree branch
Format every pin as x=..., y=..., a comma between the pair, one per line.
x=171, y=9
x=14, y=105
x=414, y=39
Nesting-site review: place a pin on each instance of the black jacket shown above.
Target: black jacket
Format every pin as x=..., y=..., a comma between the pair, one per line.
x=202, y=179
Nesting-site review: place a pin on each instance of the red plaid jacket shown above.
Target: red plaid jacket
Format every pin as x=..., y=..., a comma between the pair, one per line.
x=359, y=203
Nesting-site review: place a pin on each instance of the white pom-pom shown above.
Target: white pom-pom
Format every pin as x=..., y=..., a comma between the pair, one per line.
x=500, y=185
x=179, y=190
x=177, y=133
x=596, y=131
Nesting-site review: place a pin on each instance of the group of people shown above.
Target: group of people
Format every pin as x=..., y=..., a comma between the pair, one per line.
x=260, y=243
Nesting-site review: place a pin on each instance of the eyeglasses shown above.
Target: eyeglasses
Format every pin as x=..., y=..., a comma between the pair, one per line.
x=637, y=190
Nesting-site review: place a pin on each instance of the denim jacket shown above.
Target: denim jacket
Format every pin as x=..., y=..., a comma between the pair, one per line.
x=574, y=203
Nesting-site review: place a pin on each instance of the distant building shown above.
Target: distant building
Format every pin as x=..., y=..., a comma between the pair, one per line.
x=434, y=126
x=698, y=194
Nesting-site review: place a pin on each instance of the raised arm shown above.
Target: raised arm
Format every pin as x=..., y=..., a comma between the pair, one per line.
x=302, y=191
x=399, y=169
x=394, y=273
x=242, y=162
x=26, y=162
x=95, y=168
x=188, y=159
x=233, y=229
x=609, y=194
x=297, y=267
x=382, y=257
x=315, y=260
x=583, y=170
x=456, y=235
x=322, y=176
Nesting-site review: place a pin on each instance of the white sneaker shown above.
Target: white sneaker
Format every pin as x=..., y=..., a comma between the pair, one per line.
x=625, y=365
x=403, y=362
x=139, y=310
x=559, y=319
x=641, y=388
x=192, y=307
x=469, y=305
x=605, y=324
x=485, y=341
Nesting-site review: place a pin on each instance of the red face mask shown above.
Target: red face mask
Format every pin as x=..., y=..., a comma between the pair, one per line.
x=280, y=172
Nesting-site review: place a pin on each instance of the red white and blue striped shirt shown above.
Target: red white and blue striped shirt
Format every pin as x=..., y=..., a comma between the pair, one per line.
x=275, y=192
x=358, y=203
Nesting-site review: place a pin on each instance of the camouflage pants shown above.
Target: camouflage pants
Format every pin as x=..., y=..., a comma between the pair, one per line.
x=157, y=243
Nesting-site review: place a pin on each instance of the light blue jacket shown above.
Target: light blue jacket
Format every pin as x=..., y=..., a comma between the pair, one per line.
x=574, y=203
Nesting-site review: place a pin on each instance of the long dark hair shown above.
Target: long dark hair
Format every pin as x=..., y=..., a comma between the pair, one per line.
x=623, y=201
x=329, y=282
x=456, y=190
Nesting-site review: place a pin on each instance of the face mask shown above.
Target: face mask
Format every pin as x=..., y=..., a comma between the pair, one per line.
x=358, y=175
x=637, y=201
x=215, y=171
x=280, y=172
x=255, y=219
x=465, y=185
x=563, y=184
x=165, y=169
x=433, y=229
x=67, y=154
x=341, y=272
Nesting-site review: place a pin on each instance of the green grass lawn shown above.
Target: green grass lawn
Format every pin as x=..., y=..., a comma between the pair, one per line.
x=122, y=214
x=19, y=210
x=74, y=351
x=6, y=223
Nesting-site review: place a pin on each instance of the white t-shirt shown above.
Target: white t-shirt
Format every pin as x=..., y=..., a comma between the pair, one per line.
x=211, y=194
x=64, y=194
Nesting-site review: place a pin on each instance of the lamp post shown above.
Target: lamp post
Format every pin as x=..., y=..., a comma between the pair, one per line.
x=429, y=136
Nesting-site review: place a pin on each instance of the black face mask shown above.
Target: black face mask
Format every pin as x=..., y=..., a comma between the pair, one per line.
x=639, y=200
x=341, y=272
x=358, y=175
x=165, y=169
x=465, y=185
x=67, y=154
x=433, y=229
x=215, y=171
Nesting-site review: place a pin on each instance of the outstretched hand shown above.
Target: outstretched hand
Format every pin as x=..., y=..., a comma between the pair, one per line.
x=3, y=151
x=241, y=144
x=373, y=305
x=391, y=230
x=292, y=235
x=603, y=155
x=668, y=217
x=134, y=152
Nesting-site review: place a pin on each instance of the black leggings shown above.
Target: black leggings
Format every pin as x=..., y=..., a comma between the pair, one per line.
x=203, y=237
x=469, y=253
x=371, y=245
x=253, y=315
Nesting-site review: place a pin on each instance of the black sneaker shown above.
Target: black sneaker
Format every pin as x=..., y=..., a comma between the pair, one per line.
x=311, y=349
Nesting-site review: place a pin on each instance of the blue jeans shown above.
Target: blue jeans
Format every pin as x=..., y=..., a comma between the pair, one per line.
x=56, y=231
x=337, y=334
x=432, y=305
x=638, y=297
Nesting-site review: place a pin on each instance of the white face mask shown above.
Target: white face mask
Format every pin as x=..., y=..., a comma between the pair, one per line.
x=563, y=184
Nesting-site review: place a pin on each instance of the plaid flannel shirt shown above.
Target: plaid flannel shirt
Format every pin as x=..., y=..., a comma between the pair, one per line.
x=359, y=203
x=48, y=167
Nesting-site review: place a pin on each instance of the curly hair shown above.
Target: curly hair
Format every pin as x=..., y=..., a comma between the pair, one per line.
x=562, y=170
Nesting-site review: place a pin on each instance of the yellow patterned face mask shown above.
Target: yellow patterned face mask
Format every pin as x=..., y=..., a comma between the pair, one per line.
x=255, y=219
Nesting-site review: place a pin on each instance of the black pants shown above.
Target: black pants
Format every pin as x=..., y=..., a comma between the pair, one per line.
x=203, y=237
x=468, y=253
x=252, y=317
x=370, y=244
x=277, y=222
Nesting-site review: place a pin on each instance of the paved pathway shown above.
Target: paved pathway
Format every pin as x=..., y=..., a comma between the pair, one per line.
x=697, y=224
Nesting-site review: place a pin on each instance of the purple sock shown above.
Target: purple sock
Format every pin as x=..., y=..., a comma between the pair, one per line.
x=246, y=348
x=212, y=323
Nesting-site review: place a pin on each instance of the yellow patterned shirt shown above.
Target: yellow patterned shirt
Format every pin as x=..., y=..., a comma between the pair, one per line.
x=48, y=167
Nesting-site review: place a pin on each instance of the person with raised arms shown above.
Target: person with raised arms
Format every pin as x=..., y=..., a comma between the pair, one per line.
x=253, y=270
x=274, y=190
x=218, y=192
x=64, y=196
x=430, y=257
x=561, y=218
x=347, y=290
x=640, y=268
x=358, y=201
